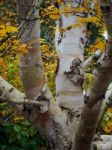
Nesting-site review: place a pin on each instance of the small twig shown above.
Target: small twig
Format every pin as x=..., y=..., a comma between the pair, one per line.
x=7, y=119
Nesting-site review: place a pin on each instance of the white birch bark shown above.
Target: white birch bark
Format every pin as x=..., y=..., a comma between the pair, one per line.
x=70, y=48
x=105, y=143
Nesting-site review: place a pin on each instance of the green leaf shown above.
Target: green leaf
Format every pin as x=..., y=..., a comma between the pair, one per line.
x=25, y=133
x=25, y=123
x=17, y=128
x=19, y=136
x=32, y=131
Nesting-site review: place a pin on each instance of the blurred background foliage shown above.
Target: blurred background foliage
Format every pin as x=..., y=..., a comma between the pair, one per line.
x=15, y=132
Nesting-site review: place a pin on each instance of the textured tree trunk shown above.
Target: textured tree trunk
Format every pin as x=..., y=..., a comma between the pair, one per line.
x=31, y=68
x=93, y=98
x=70, y=45
x=50, y=120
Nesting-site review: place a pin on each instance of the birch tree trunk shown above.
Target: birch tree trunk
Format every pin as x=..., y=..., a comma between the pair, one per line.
x=102, y=77
x=70, y=46
x=50, y=120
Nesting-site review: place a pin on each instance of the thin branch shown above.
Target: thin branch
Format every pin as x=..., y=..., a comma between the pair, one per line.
x=21, y=101
x=91, y=59
x=9, y=117
x=105, y=143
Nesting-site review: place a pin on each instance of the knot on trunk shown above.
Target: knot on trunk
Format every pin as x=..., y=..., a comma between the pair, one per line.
x=43, y=98
x=75, y=74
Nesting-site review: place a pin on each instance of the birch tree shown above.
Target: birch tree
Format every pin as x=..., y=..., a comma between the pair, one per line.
x=70, y=121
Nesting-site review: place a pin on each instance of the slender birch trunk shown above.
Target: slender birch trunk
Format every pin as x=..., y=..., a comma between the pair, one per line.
x=31, y=67
x=93, y=98
x=49, y=119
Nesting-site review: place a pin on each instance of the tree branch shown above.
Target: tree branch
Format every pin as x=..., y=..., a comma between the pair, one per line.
x=105, y=143
x=19, y=102
x=91, y=59
x=10, y=94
